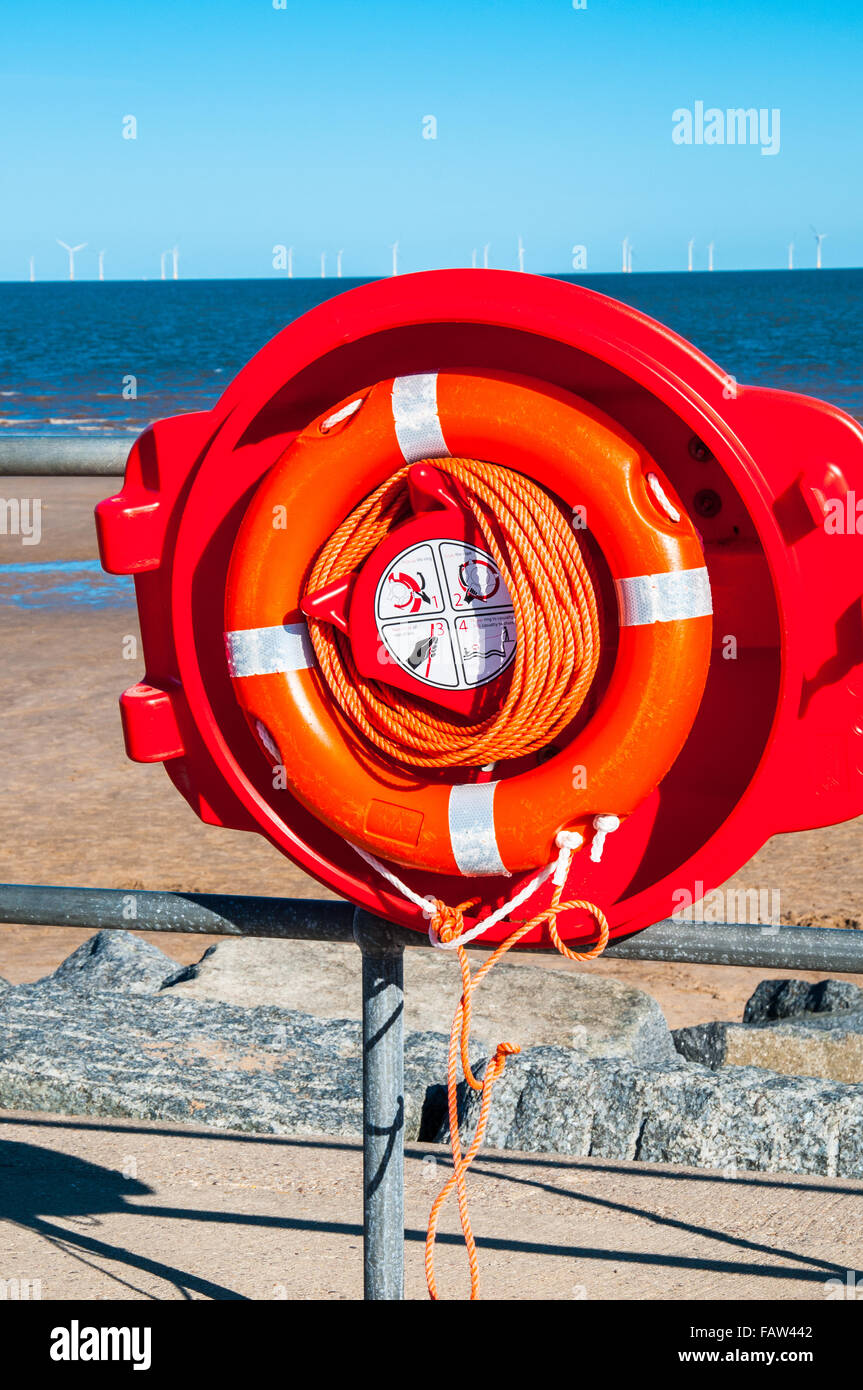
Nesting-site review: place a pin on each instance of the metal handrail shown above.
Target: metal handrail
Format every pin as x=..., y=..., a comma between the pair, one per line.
x=64, y=456
x=328, y=919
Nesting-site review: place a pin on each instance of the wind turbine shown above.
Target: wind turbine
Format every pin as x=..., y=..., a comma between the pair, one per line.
x=625, y=265
x=630, y=249
x=710, y=255
x=290, y=262
x=175, y=256
x=473, y=258
x=101, y=265
x=32, y=269
x=339, y=263
x=819, y=237
x=323, y=265
x=71, y=250
x=395, y=251
x=791, y=255
x=689, y=252
x=485, y=251
x=520, y=254
x=162, y=265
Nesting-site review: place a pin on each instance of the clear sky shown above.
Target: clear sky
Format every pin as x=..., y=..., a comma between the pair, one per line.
x=303, y=126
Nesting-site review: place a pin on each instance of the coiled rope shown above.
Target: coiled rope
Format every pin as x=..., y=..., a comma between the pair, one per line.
x=557, y=626
x=558, y=642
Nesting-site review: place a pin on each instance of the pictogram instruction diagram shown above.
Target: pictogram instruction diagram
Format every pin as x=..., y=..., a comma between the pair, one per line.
x=444, y=613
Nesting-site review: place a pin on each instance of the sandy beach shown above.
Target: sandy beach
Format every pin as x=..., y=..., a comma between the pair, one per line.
x=76, y=811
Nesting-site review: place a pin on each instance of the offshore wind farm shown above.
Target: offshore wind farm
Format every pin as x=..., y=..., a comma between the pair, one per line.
x=283, y=261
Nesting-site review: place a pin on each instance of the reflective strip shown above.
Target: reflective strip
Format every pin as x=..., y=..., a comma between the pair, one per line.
x=663, y=598
x=471, y=829
x=264, y=651
x=418, y=428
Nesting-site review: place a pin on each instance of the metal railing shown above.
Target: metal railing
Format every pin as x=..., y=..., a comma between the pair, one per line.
x=64, y=456
x=381, y=944
x=821, y=949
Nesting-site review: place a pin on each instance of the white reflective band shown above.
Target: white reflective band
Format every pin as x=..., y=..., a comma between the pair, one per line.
x=663, y=598
x=415, y=417
x=264, y=651
x=471, y=829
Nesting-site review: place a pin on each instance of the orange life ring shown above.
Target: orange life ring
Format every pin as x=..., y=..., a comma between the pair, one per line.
x=453, y=825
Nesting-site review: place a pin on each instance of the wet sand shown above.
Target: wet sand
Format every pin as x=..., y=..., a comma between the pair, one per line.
x=76, y=811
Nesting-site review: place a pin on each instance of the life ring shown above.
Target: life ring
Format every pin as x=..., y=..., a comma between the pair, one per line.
x=454, y=824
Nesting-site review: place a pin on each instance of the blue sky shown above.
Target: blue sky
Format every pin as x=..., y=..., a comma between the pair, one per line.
x=259, y=126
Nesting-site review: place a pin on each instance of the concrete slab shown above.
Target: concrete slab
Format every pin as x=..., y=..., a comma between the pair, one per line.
x=127, y=1210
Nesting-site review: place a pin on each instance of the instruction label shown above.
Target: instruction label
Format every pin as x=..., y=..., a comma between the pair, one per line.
x=444, y=613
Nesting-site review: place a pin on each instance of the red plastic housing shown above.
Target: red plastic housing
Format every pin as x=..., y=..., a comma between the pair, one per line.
x=778, y=743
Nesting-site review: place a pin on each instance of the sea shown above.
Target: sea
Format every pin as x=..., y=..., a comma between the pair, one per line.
x=69, y=352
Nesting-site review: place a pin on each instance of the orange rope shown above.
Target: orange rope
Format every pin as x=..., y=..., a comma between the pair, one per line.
x=533, y=544
x=449, y=925
x=553, y=598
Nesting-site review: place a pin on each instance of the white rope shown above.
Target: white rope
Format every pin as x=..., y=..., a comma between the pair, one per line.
x=567, y=842
x=488, y=922
x=602, y=827
x=662, y=497
x=427, y=906
x=339, y=415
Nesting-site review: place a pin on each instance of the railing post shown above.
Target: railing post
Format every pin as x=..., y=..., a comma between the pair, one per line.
x=383, y=1106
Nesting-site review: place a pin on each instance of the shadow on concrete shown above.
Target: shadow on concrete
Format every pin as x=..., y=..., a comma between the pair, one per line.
x=802, y=1266
x=40, y=1184
x=43, y=1186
